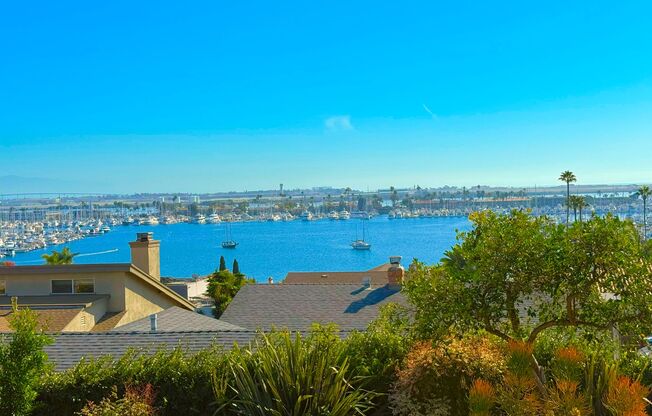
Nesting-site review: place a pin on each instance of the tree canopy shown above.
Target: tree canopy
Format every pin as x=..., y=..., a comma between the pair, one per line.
x=516, y=275
x=64, y=256
x=223, y=286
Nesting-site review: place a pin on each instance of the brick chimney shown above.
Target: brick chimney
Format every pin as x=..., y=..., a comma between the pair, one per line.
x=395, y=272
x=145, y=254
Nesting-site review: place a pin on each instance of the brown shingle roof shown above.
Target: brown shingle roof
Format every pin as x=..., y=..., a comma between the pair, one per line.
x=53, y=320
x=377, y=275
x=108, y=321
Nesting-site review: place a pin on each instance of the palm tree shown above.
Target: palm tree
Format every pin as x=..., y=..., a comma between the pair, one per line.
x=65, y=256
x=574, y=204
x=644, y=192
x=568, y=177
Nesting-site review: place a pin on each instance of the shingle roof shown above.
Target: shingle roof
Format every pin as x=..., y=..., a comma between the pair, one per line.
x=177, y=319
x=48, y=319
x=108, y=321
x=297, y=306
x=69, y=348
x=377, y=275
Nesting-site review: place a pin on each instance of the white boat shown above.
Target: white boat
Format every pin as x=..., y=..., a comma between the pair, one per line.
x=360, y=244
x=344, y=215
x=105, y=229
x=213, y=219
x=333, y=215
x=306, y=216
x=199, y=219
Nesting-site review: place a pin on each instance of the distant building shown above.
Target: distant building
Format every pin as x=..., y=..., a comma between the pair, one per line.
x=91, y=297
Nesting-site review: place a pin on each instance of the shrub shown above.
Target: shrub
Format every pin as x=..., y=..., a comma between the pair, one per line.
x=182, y=381
x=292, y=376
x=435, y=379
x=625, y=397
x=482, y=397
x=136, y=402
x=22, y=362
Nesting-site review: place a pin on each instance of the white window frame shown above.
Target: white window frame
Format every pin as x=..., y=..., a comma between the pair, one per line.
x=73, y=292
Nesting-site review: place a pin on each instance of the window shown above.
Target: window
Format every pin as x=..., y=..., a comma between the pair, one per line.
x=84, y=286
x=62, y=286
x=69, y=286
x=3, y=287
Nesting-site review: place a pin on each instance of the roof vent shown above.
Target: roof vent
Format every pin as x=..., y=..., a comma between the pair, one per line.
x=270, y=280
x=153, y=322
x=366, y=281
x=323, y=276
x=143, y=237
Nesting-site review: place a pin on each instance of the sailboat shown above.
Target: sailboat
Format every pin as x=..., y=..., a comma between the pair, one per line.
x=229, y=242
x=361, y=244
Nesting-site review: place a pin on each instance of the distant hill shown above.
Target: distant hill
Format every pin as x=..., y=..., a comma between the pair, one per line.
x=12, y=184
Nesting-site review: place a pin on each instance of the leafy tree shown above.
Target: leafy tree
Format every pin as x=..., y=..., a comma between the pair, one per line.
x=65, y=256
x=236, y=267
x=568, y=177
x=22, y=362
x=222, y=264
x=518, y=275
x=223, y=286
x=644, y=192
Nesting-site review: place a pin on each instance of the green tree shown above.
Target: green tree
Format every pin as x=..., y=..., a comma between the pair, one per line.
x=568, y=177
x=644, y=192
x=65, y=256
x=222, y=264
x=223, y=286
x=518, y=275
x=22, y=362
x=236, y=267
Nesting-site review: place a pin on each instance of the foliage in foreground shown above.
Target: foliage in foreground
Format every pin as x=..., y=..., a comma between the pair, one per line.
x=22, y=362
x=183, y=382
x=516, y=276
x=290, y=375
x=135, y=402
x=435, y=378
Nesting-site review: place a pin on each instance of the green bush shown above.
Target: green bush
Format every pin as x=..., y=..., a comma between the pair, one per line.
x=182, y=381
x=291, y=375
x=22, y=362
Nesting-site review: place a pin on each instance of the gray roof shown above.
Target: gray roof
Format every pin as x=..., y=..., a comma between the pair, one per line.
x=297, y=306
x=70, y=347
x=177, y=319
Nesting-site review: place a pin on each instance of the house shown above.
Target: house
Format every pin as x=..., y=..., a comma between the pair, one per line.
x=296, y=306
x=91, y=297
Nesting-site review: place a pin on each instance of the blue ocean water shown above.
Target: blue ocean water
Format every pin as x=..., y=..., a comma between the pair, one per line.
x=274, y=248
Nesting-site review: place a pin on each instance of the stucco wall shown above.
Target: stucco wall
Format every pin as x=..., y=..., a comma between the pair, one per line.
x=142, y=300
x=106, y=283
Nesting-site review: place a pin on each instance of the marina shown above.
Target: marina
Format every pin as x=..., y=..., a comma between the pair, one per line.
x=270, y=248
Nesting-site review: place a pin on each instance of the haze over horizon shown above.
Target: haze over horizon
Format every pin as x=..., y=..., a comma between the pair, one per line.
x=154, y=97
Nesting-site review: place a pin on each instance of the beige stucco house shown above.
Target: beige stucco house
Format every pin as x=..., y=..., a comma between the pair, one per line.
x=91, y=297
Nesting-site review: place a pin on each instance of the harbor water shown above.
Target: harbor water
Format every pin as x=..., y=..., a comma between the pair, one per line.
x=272, y=248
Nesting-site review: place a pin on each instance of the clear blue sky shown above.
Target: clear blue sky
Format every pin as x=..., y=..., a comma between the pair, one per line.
x=204, y=96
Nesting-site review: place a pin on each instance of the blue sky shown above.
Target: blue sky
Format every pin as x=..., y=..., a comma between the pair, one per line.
x=211, y=96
